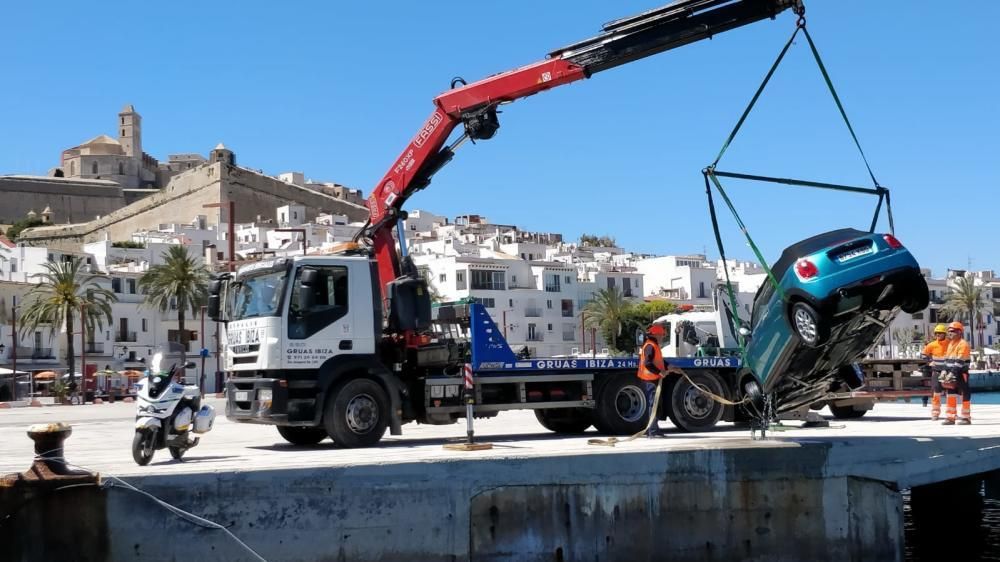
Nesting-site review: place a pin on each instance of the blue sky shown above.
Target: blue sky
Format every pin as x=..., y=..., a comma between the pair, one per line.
x=336, y=89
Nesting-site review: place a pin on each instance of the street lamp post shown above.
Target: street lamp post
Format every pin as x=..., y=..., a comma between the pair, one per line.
x=301, y=231
x=231, y=231
x=201, y=352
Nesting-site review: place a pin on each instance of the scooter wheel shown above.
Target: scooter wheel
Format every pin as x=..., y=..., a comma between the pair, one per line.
x=143, y=447
x=177, y=453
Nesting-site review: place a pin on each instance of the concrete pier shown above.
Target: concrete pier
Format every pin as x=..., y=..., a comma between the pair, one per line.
x=806, y=494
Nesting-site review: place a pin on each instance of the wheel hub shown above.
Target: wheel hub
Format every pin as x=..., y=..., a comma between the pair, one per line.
x=630, y=404
x=362, y=413
x=805, y=325
x=696, y=404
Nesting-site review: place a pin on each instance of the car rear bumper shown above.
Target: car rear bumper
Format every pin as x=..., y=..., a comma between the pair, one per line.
x=882, y=291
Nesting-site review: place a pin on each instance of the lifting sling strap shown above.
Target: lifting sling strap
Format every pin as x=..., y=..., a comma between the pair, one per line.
x=712, y=175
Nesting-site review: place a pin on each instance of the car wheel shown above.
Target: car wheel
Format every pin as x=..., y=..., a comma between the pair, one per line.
x=357, y=414
x=846, y=412
x=565, y=420
x=620, y=405
x=297, y=435
x=917, y=298
x=690, y=408
x=807, y=324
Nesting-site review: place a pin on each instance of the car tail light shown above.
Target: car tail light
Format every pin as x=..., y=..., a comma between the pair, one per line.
x=806, y=269
x=893, y=242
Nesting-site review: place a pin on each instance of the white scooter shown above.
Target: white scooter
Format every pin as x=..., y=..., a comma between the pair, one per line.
x=168, y=413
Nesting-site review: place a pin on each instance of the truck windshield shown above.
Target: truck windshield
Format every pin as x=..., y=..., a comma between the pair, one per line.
x=259, y=295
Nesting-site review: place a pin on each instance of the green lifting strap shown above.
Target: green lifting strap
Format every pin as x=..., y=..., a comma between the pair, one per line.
x=712, y=179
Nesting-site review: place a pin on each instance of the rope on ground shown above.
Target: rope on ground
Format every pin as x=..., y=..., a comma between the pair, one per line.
x=109, y=483
x=612, y=441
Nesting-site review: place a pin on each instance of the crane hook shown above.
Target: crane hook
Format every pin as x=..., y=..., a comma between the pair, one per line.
x=800, y=10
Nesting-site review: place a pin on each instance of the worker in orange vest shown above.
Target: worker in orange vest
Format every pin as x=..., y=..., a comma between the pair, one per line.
x=652, y=368
x=956, y=376
x=934, y=353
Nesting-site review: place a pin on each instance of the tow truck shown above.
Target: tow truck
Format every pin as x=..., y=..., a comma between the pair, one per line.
x=345, y=345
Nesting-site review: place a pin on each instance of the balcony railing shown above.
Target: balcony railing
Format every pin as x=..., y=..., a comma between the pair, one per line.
x=533, y=312
x=94, y=347
x=567, y=313
x=35, y=353
x=553, y=288
x=127, y=337
x=534, y=337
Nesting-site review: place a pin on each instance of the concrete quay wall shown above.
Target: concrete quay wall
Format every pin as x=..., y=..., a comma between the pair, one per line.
x=709, y=504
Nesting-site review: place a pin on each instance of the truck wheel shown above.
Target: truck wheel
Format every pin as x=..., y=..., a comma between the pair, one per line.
x=848, y=412
x=620, y=407
x=565, y=420
x=690, y=408
x=297, y=435
x=357, y=413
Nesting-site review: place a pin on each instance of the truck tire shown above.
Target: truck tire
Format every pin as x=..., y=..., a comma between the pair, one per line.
x=298, y=435
x=848, y=412
x=620, y=405
x=357, y=413
x=565, y=420
x=693, y=410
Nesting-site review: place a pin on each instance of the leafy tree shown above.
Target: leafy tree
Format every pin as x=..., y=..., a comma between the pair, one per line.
x=62, y=291
x=965, y=301
x=597, y=241
x=15, y=229
x=128, y=244
x=180, y=279
x=609, y=312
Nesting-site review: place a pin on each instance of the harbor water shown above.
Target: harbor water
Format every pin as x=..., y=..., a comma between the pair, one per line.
x=985, y=539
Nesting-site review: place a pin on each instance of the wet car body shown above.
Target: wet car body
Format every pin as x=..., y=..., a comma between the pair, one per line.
x=840, y=291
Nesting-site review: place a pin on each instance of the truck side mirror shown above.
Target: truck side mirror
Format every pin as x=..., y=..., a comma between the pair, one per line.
x=307, y=288
x=214, y=288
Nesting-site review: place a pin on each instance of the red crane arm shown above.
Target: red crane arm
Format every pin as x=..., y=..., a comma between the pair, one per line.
x=474, y=105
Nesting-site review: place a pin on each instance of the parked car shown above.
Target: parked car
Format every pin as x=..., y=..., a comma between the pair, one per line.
x=841, y=290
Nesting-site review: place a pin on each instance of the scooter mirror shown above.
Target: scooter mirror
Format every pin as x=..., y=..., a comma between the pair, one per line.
x=189, y=365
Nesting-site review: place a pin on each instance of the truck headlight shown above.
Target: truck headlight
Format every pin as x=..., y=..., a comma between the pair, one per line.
x=264, y=395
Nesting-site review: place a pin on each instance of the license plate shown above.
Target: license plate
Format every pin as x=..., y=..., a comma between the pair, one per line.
x=855, y=253
x=243, y=396
x=240, y=348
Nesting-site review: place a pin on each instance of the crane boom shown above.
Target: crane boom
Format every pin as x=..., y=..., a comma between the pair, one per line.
x=474, y=105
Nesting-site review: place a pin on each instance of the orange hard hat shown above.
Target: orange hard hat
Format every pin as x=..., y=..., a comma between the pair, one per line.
x=957, y=326
x=656, y=330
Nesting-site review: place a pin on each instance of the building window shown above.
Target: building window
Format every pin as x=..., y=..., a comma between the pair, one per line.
x=488, y=303
x=611, y=282
x=13, y=266
x=510, y=303
x=484, y=280
x=701, y=290
x=627, y=286
x=567, y=308
x=144, y=325
x=513, y=281
x=93, y=168
x=130, y=283
x=459, y=279
x=548, y=305
x=568, y=332
x=72, y=168
x=567, y=280
x=123, y=120
x=116, y=284
x=443, y=277
x=121, y=169
x=549, y=327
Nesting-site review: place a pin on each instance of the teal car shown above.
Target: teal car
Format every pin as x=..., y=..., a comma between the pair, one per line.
x=839, y=292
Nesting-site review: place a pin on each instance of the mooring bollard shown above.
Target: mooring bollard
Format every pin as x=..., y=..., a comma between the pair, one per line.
x=470, y=401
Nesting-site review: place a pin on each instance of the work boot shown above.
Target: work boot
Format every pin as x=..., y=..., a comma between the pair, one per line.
x=948, y=422
x=964, y=421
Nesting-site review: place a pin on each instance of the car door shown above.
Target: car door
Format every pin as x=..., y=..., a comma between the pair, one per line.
x=326, y=327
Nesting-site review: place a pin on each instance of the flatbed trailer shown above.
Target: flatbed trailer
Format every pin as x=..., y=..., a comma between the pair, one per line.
x=569, y=394
x=884, y=380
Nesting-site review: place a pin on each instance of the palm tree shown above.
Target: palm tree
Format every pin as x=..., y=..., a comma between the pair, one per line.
x=180, y=280
x=965, y=300
x=608, y=311
x=62, y=291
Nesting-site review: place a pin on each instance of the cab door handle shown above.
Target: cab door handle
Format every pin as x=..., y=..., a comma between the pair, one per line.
x=346, y=344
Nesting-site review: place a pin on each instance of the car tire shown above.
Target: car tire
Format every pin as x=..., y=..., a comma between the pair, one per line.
x=357, y=413
x=917, y=298
x=565, y=420
x=806, y=324
x=298, y=435
x=846, y=412
x=620, y=405
x=691, y=409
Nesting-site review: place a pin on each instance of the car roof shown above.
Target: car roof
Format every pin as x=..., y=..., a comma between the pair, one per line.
x=813, y=245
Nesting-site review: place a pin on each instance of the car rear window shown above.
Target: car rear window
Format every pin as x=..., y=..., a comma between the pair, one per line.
x=813, y=245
